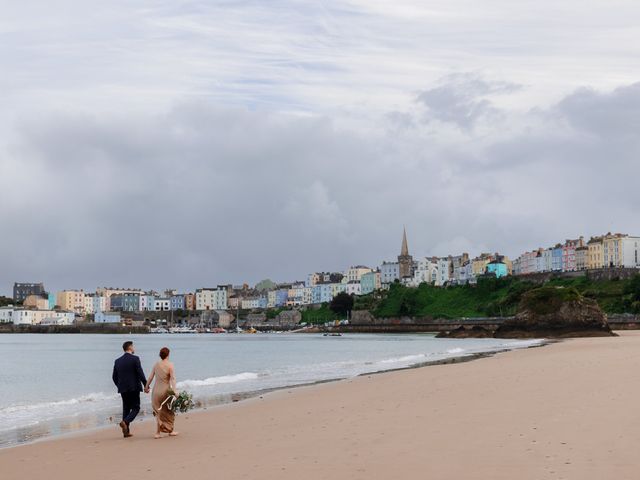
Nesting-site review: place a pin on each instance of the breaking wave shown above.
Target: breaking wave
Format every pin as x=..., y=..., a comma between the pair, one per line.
x=207, y=382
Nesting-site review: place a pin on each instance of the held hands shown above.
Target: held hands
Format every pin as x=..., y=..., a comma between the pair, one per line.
x=146, y=389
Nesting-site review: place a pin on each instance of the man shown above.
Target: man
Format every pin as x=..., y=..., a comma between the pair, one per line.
x=129, y=378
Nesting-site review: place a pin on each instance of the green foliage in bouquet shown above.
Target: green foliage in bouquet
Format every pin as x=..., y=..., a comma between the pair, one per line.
x=183, y=402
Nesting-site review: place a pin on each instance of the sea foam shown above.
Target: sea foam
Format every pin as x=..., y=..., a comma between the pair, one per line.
x=45, y=406
x=207, y=382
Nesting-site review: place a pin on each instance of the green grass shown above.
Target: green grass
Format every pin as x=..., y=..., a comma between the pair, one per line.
x=320, y=315
x=549, y=298
x=496, y=297
x=274, y=312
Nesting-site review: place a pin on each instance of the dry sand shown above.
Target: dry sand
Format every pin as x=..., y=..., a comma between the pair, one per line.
x=569, y=410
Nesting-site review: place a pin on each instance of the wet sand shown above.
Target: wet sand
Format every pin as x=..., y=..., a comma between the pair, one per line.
x=567, y=410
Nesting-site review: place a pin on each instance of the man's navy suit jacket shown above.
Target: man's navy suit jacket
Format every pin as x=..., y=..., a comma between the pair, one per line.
x=127, y=374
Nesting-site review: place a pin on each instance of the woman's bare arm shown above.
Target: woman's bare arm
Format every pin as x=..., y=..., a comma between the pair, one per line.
x=153, y=374
x=172, y=378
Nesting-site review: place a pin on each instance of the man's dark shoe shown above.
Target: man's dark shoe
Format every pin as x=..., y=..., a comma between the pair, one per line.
x=125, y=429
x=127, y=435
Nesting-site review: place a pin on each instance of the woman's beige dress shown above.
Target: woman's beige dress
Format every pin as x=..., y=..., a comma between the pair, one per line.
x=164, y=416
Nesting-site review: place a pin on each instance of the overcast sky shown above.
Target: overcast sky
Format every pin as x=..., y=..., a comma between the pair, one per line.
x=183, y=144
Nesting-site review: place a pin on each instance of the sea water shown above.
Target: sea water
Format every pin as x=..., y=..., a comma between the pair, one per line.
x=54, y=384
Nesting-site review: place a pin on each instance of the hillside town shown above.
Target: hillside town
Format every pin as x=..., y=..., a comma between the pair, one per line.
x=34, y=305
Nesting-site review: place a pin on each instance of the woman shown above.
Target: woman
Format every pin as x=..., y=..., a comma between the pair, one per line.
x=165, y=379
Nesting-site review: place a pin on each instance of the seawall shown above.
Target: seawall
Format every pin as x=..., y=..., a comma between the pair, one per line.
x=79, y=328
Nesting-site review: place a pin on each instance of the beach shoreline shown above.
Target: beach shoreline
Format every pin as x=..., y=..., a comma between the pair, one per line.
x=450, y=421
x=222, y=400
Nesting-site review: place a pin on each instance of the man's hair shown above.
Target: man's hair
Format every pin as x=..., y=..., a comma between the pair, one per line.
x=127, y=345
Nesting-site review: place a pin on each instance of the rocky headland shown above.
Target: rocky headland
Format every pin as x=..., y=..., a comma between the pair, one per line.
x=547, y=312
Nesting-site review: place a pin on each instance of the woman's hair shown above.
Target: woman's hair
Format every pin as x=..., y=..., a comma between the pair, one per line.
x=164, y=352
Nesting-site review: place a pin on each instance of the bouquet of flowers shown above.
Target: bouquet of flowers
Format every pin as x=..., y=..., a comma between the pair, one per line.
x=182, y=402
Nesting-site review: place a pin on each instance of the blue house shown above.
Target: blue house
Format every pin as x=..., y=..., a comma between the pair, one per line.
x=125, y=302
x=498, y=268
x=116, y=301
x=556, y=258
x=263, y=301
x=107, y=317
x=316, y=292
x=368, y=283
x=51, y=297
x=282, y=296
x=97, y=303
x=177, y=302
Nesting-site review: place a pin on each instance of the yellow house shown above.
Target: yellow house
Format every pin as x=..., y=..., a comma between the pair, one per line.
x=479, y=264
x=595, y=258
x=582, y=254
x=71, y=300
x=509, y=265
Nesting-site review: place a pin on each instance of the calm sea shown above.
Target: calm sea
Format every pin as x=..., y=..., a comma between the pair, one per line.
x=54, y=384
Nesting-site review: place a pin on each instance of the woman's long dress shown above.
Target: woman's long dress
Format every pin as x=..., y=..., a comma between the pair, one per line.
x=164, y=416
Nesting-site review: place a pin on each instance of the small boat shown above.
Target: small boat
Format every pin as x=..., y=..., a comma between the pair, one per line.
x=332, y=334
x=182, y=330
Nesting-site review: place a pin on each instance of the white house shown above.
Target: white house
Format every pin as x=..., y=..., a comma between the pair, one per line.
x=443, y=271
x=162, y=304
x=59, y=318
x=108, y=317
x=353, y=288
x=426, y=271
x=630, y=252
x=23, y=316
x=389, y=272
x=147, y=302
x=463, y=274
x=250, y=303
x=211, y=298
x=6, y=314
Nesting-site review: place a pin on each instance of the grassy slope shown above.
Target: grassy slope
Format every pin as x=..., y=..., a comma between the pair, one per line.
x=491, y=297
x=320, y=315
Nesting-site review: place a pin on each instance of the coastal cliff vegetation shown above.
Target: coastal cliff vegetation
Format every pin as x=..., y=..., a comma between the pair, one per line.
x=493, y=297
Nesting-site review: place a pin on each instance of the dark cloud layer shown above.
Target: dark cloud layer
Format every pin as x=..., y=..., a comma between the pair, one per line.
x=203, y=194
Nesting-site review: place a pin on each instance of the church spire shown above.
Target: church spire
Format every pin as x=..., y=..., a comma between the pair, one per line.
x=405, y=262
x=405, y=248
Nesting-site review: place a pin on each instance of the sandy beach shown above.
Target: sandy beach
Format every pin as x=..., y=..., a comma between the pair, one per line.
x=564, y=411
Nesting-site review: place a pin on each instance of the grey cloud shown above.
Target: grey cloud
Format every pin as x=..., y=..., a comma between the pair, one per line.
x=128, y=154
x=462, y=99
x=615, y=113
x=202, y=194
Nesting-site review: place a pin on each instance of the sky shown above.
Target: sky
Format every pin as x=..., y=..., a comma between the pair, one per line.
x=184, y=144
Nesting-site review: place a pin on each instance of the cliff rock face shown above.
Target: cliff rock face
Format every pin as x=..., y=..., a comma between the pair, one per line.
x=471, y=332
x=362, y=317
x=555, y=312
